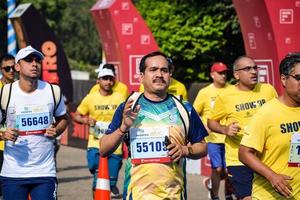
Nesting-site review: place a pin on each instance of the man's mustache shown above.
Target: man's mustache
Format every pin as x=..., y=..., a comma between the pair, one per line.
x=159, y=80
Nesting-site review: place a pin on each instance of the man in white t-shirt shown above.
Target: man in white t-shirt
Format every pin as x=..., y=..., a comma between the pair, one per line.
x=29, y=167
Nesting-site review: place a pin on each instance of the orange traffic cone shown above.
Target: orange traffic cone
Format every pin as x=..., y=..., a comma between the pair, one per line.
x=102, y=191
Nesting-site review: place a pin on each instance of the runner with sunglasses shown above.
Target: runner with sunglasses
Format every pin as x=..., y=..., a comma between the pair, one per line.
x=8, y=76
x=236, y=105
x=271, y=144
x=7, y=69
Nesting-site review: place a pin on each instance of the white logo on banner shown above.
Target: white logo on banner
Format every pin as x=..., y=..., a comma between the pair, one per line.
x=288, y=40
x=145, y=39
x=257, y=21
x=127, y=29
x=266, y=71
x=286, y=16
x=251, y=39
x=134, y=70
x=125, y=6
x=270, y=36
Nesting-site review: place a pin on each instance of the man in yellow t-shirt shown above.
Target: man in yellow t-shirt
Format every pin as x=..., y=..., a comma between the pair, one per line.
x=236, y=105
x=118, y=86
x=8, y=76
x=271, y=144
x=100, y=107
x=203, y=104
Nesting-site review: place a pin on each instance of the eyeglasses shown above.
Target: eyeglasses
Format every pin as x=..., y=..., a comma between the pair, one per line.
x=248, y=68
x=31, y=59
x=296, y=77
x=8, y=68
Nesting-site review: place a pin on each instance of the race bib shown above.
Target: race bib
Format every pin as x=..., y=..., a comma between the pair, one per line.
x=99, y=129
x=294, y=158
x=31, y=120
x=147, y=145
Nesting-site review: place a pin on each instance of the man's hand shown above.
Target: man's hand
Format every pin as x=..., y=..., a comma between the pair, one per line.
x=90, y=121
x=51, y=132
x=177, y=151
x=129, y=115
x=281, y=185
x=232, y=129
x=10, y=134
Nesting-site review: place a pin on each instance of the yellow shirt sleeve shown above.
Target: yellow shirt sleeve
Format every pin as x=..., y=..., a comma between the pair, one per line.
x=254, y=133
x=199, y=103
x=219, y=110
x=83, y=107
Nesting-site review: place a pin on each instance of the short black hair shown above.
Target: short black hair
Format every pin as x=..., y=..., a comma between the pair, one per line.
x=289, y=62
x=152, y=54
x=7, y=57
x=110, y=66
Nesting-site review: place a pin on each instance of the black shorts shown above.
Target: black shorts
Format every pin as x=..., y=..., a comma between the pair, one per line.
x=241, y=179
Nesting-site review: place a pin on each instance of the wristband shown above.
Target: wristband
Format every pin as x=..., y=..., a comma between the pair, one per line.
x=123, y=132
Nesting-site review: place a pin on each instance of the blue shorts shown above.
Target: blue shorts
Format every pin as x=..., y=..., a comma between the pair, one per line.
x=216, y=153
x=241, y=179
x=38, y=188
x=114, y=164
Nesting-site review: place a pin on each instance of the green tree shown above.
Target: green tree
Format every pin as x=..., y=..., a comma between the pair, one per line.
x=73, y=25
x=194, y=33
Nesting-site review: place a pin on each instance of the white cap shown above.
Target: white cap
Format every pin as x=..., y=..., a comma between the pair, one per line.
x=105, y=72
x=23, y=53
x=99, y=68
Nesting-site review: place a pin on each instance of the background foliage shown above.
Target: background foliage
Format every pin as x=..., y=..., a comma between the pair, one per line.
x=193, y=33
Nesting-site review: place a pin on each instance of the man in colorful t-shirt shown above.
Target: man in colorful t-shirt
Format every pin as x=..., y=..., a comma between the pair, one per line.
x=159, y=138
x=203, y=104
x=236, y=105
x=100, y=107
x=271, y=143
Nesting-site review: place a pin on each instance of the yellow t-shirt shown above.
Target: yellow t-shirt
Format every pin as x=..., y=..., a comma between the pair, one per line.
x=234, y=105
x=203, y=104
x=100, y=108
x=269, y=132
x=118, y=87
x=176, y=88
x=2, y=141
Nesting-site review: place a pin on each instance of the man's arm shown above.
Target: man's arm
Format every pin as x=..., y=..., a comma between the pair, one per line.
x=59, y=127
x=122, y=121
x=279, y=182
x=81, y=119
x=230, y=130
x=193, y=151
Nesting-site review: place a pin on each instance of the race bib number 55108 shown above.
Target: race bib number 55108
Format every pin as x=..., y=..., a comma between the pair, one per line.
x=147, y=145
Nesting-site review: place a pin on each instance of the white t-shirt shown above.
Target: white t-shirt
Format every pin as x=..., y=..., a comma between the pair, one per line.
x=30, y=155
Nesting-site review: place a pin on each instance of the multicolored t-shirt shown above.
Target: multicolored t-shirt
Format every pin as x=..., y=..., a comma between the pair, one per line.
x=159, y=180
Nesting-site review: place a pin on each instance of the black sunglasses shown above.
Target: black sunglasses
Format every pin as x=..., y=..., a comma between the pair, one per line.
x=248, y=68
x=31, y=59
x=8, y=68
x=296, y=77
